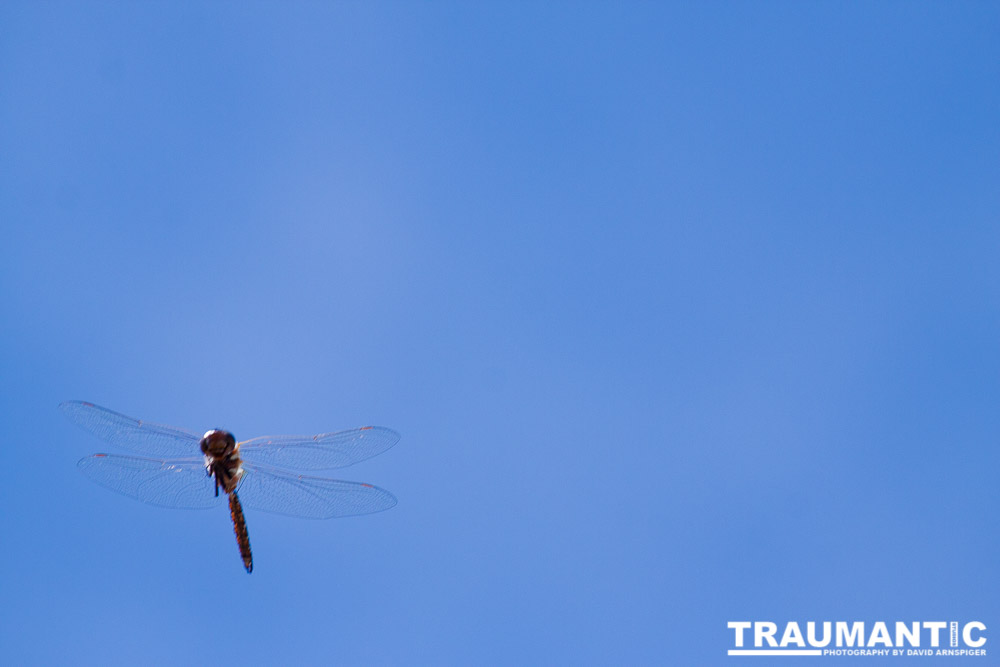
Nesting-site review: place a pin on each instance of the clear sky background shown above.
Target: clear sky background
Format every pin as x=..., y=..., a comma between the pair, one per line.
x=686, y=312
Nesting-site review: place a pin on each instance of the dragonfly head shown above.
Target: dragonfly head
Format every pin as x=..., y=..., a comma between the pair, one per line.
x=217, y=443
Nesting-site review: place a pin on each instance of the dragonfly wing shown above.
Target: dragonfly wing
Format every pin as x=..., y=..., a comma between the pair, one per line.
x=282, y=492
x=181, y=484
x=132, y=434
x=319, y=452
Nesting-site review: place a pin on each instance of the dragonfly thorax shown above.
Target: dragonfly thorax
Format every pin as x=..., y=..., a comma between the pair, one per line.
x=217, y=443
x=222, y=459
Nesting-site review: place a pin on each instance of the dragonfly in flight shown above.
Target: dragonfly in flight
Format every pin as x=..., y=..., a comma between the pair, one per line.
x=258, y=473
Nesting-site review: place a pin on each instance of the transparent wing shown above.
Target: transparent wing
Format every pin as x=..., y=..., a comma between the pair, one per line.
x=179, y=483
x=319, y=452
x=281, y=492
x=132, y=434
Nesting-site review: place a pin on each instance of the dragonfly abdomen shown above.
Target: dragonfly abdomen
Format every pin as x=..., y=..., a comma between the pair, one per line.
x=240, y=528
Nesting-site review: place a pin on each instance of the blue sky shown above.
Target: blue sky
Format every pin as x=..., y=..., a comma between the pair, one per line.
x=686, y=312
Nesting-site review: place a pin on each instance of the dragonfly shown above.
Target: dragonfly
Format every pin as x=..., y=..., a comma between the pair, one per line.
x=259, y=473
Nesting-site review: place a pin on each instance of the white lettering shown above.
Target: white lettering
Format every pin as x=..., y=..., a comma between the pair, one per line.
x=911, y=633
x=851, y=634
x=935, y=627
x=764, y=630
x=967, y=634
x=792, y=634
x=739, y=626
x=827, y=634
x=856, y=637
x=880, y=635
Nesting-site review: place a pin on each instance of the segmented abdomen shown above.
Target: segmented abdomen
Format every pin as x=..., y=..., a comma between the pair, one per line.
x=240, y=527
